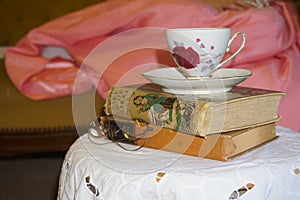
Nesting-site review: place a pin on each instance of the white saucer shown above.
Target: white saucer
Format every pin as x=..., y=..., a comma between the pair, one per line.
x=174, y=82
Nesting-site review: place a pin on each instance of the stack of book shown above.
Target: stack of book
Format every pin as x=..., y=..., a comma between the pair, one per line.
x=215, y=126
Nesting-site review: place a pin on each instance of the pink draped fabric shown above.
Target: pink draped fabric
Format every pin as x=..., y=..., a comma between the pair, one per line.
x=44, y=63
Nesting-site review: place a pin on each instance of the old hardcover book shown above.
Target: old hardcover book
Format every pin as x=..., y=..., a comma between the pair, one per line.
x=195, y=114
x=223, y=147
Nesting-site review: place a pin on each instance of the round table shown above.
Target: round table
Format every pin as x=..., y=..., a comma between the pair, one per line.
x=102, y=170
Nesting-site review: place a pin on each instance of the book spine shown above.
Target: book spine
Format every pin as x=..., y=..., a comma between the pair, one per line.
x=158, y=108
x=155, y=137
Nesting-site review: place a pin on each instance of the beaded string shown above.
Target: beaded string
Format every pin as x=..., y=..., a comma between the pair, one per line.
x=257, y=3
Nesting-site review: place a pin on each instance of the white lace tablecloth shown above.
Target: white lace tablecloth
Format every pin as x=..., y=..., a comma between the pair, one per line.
x=106, y=171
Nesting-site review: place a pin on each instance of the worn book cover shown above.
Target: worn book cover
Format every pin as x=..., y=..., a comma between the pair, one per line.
x=195, y=114
x=223, y=147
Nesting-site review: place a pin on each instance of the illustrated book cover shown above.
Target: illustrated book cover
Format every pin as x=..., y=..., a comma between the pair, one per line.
x=195, y=114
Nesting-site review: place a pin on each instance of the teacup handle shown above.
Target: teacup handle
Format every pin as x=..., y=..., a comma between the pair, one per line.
x=238, y=51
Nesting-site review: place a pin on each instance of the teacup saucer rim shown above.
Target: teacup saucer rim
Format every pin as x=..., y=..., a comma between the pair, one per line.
x=198, y=78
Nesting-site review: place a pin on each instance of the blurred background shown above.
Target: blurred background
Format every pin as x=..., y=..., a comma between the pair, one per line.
x=34, y=135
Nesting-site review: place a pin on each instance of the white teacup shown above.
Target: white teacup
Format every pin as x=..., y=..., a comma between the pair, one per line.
x=199, y=51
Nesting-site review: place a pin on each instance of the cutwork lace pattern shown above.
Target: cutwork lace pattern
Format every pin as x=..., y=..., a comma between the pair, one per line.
x=105, y=172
